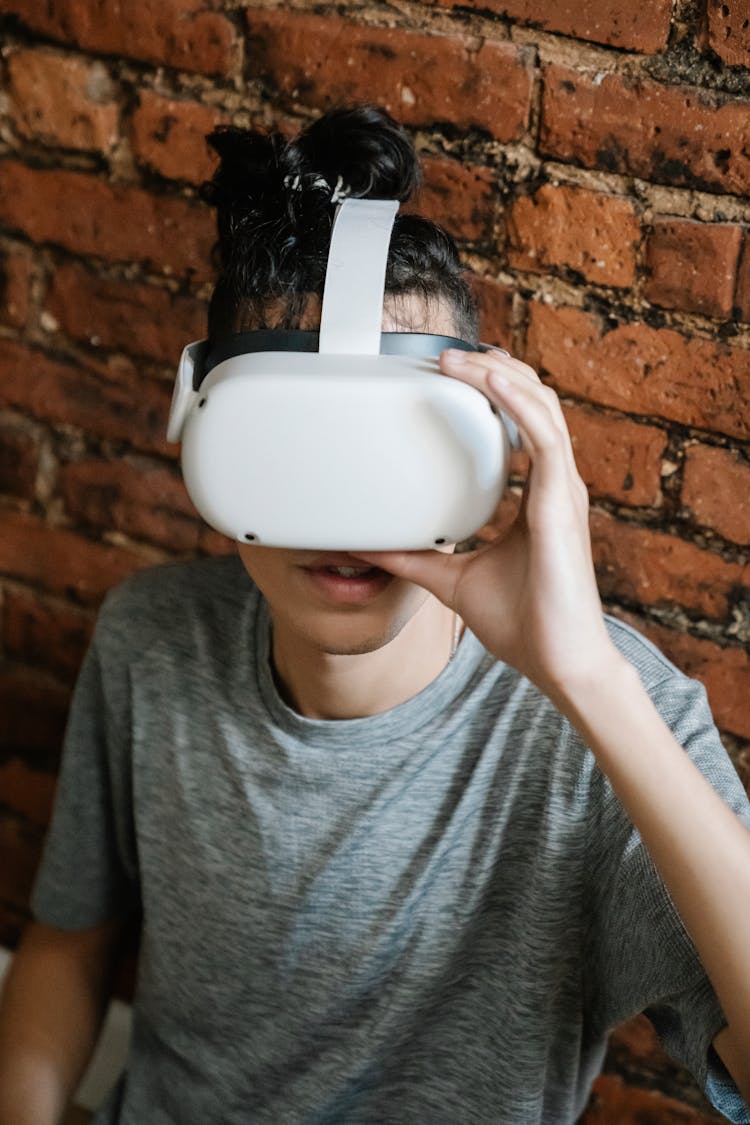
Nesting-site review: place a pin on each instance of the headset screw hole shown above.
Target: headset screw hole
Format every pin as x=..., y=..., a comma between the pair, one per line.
x=201, y=403
x=249, y=536
x=438, y=542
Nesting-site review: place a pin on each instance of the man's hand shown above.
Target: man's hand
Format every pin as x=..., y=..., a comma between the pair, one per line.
x=530, y=596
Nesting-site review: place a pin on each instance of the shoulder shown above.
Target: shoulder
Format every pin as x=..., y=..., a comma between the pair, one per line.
x=651, y=664
x=174, y=598
x=683, y=704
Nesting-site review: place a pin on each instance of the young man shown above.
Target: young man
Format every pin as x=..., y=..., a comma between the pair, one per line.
x=409, y=832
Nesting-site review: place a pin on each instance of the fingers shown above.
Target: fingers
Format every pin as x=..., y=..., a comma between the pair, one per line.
x=515, y=388
x=435, y=571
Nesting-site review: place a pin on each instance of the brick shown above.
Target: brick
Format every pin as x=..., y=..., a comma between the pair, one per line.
x=177, y=33
x=635, y=1054
x=325, y=61
x=134, y=318
x=742, y=292
x=571, y=228
x=169, y=136
x=723, y=671
x=507, y=511
x=16, y=273
x=646, y=567
x=692, y=266
x=729, y=30
x=49, y=635
x=642, y=370
x=611, y=22
x=13, y=919
x=60, y=561
x=678, y=135
x=716, y=491
x=614, y=1102
x=33, y=712
x=19, y=460
x=617, y=458
x=61, y=100
x=495, y=310
x=118, y=223
x=459, y=197
x=21, y=848
x=637, y=1039
x=117, y=403
x=27, y=792
x=143, y=501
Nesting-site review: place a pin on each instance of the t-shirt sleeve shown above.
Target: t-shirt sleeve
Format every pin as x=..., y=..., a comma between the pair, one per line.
x=639, y=956
x=88, y=872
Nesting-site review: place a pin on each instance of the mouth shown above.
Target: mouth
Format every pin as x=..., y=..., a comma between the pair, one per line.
x=351, y=571
x=347, y=582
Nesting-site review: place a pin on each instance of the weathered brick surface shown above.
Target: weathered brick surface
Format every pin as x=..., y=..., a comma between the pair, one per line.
x=25, y=791
x=420, y=78
x=495, y=311
x=61, y=561
x=642, y=370
x=742, y=293
x=63, y=101
x=89, y=216
x=137, y=319
x=648, y=567
x=459, y=197
x=667, y=134
x=692, y=266
x=43, y=633
x=617, y=458
x=33, y=712
x=116, y=404
x=599, y=21
x=729, y=30
x=615, y=1101
x=169, y=136
x=147, y=501
x=20, y=847
x=716, y=491
x=16, y=270
x=19, y=460
x=723, y=670
x=180, y=33
x=571, y=228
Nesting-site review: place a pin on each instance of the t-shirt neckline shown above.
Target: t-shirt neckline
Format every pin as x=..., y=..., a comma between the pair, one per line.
x=401, y=720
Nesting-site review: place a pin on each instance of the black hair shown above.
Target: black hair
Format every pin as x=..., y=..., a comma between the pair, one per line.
x=274, y=203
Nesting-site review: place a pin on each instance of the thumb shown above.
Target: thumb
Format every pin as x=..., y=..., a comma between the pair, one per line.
x=433, y=570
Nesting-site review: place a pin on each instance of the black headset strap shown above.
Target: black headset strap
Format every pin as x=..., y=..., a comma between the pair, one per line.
x=295, y=340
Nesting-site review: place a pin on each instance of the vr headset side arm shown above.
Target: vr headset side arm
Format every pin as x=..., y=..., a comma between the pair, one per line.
x=184, y=394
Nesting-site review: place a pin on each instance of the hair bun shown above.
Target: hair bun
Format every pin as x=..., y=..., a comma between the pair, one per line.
x=248, y=185
x=364, y=146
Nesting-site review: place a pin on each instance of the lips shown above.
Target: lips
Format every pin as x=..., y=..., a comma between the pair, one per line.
x=345, y=580
x=351, y=571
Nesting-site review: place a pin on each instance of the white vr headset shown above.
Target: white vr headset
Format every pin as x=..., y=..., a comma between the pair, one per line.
x=347, y=439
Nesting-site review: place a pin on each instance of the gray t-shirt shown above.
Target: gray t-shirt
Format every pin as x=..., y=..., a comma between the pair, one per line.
x=433, y=915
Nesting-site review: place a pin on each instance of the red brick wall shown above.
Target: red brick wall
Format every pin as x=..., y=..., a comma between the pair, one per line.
x=592, y=159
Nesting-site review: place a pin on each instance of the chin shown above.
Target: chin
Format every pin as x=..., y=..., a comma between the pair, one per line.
x=357, y=643
x=355, y=648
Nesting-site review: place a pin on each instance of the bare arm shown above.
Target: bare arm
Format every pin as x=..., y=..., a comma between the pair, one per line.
x=53, y=1003
x=701, y=849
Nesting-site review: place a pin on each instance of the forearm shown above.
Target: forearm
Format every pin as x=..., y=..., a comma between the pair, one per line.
x=51, y=1012
x=700, y=848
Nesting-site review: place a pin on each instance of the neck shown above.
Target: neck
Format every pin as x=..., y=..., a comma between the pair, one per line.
x=322, y=685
